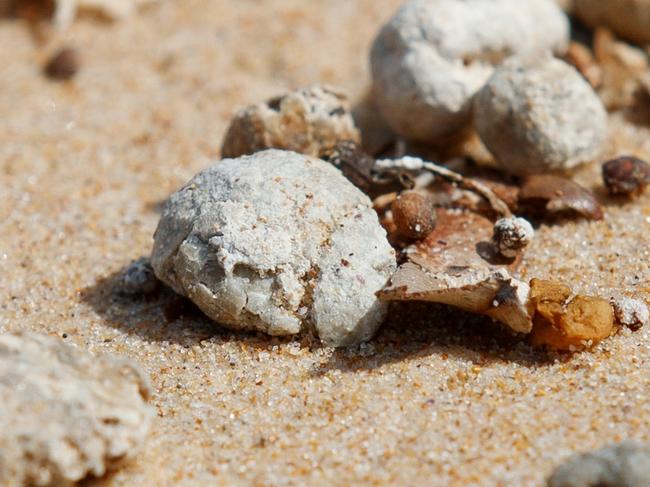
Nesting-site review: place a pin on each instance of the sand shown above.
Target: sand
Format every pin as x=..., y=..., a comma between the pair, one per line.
x=438, y=398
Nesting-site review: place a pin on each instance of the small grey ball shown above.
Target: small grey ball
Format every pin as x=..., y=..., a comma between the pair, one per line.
x=540, y=116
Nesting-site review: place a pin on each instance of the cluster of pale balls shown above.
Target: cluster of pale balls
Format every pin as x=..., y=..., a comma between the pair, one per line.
x=277, y=240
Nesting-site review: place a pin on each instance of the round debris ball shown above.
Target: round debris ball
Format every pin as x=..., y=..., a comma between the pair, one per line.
x=540, y=116
x=310, y=121
x=278, y=242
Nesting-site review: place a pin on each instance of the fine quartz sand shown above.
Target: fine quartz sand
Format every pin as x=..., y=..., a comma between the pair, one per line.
x=439, y=398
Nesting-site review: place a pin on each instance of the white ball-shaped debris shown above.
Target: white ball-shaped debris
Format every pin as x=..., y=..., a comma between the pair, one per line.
x=628, y=18
x=512, y=235
x=277, y=242
x=65, y=414
x=540, y=116
x=434, y=55
x=309, y=121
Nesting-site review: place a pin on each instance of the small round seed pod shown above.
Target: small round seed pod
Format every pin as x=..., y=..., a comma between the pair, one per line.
x=540, y=116
x=512, y=235
x=414, y=215
x=626, y=176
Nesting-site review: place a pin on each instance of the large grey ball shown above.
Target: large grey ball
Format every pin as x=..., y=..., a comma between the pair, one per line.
x=540, y=116
x=278, y=242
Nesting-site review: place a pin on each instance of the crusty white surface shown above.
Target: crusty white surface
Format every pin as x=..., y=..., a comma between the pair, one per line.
x=276, y=241
x=540, y=116
x=64, y=413
x=434, y=55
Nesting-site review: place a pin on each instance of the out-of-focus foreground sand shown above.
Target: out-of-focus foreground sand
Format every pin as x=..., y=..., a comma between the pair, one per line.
x=438, y=398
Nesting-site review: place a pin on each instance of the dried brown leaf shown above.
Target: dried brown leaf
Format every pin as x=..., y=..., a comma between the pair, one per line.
x=457, y=265
x=546, y=196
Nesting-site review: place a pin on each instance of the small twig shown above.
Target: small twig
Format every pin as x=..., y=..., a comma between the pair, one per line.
x=415, y=164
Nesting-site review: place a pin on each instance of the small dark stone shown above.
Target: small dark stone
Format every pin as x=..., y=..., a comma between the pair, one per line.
x=138, y=278
x=626, y=175
x=63, y=65
x=353, y=162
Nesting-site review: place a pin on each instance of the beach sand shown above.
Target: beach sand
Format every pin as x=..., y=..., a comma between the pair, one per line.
x=439, y=398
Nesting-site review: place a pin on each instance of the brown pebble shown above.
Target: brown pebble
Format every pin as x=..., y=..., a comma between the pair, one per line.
x=414, y=215
x=626, y=175
x=63, y=65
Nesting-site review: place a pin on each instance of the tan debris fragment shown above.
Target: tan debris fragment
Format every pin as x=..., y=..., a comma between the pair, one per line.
x=568, y=324
x=581, y=58
x=624, y=70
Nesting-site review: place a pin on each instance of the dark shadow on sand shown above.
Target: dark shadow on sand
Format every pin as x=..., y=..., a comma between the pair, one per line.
x=162, y=316
x=411, y=330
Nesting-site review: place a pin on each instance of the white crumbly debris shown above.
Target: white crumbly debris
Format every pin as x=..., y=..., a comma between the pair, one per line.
x=625, y=464
x=540, y=116
x=631, y=312
x=434, y=55
x=512, y=235
x=628, y=18
x=66, y=10
x=309, y=121
x=277, y=242
x=65, y=414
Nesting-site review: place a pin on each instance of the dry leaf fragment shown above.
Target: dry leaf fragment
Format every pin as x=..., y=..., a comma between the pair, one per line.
x=568, y=324
x=457, y=265
x=546, y=195
x=581, y=58
x=623, y=70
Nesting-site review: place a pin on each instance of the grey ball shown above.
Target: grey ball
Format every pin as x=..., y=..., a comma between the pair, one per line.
x=540, y=116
